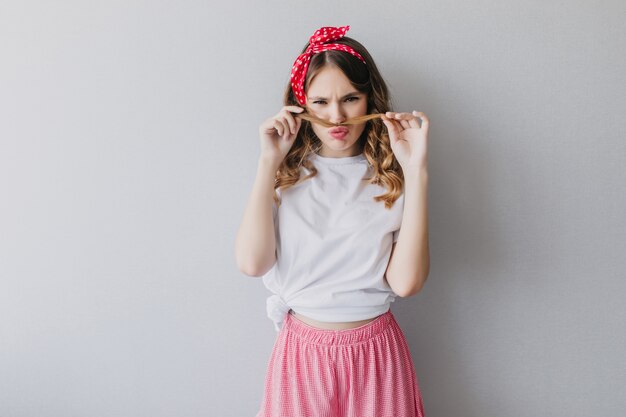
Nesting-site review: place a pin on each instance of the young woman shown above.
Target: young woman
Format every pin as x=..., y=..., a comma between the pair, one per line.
x=322, y=226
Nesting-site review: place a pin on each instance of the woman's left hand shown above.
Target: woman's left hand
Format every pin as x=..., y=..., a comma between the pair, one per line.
x=409, y=140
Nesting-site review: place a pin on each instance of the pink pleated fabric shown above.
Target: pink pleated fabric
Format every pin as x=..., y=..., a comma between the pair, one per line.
x=362, y=372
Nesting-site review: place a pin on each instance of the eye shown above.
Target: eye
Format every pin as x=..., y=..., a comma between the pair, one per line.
x=353, y=98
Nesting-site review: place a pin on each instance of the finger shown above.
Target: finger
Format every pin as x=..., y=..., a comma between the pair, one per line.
x=294, y=108
x=286, y=129
x=290, y=121
x=405, y=124
x=395, y=119
x=280, y=128
x=406, y=120
x=398, y=115
x=423, y=117
x=413, y=120
x=295, y=129
x=283, y=117
x=298, y=124
x=277, y=127
x=267, y=126
x=391, y=126
x=391, y=117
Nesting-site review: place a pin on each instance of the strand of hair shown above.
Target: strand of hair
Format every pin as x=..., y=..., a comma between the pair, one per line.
x=353, y=121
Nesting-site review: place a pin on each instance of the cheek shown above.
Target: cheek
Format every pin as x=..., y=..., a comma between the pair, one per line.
x=359, y=131
x=317, y=129
x=361, y=108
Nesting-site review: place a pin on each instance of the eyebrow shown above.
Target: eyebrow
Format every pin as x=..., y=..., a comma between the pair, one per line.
x=354, y=93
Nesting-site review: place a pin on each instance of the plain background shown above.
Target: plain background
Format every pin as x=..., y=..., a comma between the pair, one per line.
x=129, y=145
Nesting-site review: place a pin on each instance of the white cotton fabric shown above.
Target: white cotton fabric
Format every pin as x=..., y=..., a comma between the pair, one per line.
x=333, y=243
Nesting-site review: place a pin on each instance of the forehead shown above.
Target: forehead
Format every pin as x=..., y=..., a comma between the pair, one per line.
x=328, y=80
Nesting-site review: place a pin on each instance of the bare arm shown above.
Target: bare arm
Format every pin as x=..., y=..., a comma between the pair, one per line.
x=255, y=246
x=409, y=265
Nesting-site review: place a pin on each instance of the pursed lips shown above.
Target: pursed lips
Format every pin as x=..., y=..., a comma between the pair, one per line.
x=338, y=130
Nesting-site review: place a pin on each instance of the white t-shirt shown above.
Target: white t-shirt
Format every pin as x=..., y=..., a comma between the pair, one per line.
x=333, y=243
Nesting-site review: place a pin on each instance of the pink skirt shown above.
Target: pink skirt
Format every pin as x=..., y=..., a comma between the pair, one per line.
x=362, y=372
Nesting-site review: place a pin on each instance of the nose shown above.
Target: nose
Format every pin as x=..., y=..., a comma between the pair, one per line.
x=336, y=113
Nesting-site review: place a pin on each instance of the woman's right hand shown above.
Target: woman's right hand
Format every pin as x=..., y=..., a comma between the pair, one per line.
x=278, y=133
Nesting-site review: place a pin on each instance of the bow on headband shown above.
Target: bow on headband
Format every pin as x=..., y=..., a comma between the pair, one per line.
x=316, y=45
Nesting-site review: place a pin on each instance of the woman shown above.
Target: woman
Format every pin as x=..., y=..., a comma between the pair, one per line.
x=331, y=248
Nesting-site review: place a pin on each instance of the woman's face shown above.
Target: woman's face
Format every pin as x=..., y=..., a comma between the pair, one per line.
x=332, y=97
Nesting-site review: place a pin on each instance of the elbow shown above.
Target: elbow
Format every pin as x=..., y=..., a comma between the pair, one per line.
x=248, y=270
x=407, y=292
x=410, y=290
x=253, y=266
x=254, y=269
x=254, y=253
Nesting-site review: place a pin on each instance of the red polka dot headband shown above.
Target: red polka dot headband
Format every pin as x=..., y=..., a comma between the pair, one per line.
x=317, y=45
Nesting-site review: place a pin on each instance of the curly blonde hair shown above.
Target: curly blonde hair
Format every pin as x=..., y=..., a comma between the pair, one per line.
x=374, y=140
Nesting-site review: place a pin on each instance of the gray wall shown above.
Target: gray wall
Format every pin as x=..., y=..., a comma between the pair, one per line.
x=129, y=142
